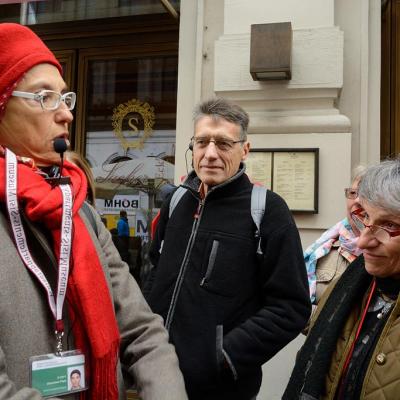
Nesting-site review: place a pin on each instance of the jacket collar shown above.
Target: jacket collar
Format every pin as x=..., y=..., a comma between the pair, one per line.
x=192, y=181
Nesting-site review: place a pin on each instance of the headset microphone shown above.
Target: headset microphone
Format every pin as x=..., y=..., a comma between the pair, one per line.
x=60, y=146
x=187, y=169
x=190, y=147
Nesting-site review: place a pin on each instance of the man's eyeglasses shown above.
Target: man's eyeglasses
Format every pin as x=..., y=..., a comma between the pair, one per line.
x=379, y=232
x=222, y=144
x=49, y=99
x=350, y=193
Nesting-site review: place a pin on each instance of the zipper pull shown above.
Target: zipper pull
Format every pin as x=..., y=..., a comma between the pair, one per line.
x=197, y=213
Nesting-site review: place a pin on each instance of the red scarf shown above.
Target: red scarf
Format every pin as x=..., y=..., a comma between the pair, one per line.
x=91, y=312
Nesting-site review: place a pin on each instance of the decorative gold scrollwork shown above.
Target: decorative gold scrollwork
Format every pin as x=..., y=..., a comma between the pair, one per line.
x=145, y=111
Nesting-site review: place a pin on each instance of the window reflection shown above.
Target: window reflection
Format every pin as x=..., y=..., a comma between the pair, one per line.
x=39, y=12
x=131, y=165
x=113, y=82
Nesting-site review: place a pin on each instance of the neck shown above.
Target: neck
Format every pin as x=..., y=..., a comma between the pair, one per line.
x=203, y=189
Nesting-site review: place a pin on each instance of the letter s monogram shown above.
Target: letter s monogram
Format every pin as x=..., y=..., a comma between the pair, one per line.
x=134, y=127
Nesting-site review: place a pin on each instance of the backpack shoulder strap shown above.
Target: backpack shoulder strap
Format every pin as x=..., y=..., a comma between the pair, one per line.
x=258, y=199
x=175, y=198
x=88, y=213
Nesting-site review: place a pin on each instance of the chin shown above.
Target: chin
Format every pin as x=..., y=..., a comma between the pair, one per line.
x=208, y=180
x=371, y=269
x=376, y=271
x=46, y=160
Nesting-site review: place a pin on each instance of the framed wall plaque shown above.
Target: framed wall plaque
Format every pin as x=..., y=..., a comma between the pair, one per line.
x=292, y=173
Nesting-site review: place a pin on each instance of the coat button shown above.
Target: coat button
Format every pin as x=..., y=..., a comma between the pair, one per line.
x=381, y=358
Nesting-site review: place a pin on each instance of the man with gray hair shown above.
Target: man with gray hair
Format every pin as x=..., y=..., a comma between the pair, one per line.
x=228, y=310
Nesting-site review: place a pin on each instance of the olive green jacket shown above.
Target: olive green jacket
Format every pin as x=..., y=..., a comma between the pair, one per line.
x=382, y=379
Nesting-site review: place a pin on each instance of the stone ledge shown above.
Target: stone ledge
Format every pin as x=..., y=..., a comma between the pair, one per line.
x=262, y=123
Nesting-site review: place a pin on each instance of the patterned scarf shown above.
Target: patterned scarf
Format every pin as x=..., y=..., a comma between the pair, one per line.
x=94, y=325
x=343, y=232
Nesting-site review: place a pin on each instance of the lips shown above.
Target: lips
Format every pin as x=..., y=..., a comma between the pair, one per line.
x=369, y=256
x=210, y=167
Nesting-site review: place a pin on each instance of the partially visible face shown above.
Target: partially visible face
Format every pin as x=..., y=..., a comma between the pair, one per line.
x=212, y=165
x=381, y=259
x=352, y=205
x=28, y=130
x=75, y=380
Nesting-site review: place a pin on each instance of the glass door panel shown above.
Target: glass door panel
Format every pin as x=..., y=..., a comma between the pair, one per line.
x=127, y=123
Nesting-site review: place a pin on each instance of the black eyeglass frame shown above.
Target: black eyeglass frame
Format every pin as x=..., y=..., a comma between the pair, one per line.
x=218, y=142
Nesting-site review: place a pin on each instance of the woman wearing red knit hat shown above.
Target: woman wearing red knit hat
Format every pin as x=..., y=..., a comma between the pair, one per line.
x=67, y=301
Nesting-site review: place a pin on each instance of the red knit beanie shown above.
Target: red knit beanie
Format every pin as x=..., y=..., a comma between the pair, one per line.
x=20, y=50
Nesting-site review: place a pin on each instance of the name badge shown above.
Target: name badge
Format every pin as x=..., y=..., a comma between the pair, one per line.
x=55, y=375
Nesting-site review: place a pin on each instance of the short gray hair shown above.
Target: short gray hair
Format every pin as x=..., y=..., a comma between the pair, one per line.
x=380, y=185
x=357, y=173
x=217, y=108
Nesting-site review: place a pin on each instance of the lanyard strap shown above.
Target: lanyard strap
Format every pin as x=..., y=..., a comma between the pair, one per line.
x=65, y=249
x=56, y=305
x=350, y=354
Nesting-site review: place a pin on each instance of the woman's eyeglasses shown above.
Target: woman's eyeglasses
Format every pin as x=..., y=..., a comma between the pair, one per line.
x=351, y=193
x=49, y=99
x=379, y=232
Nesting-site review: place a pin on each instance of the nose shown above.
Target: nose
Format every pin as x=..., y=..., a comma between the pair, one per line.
x=211, y=151
x=366, y=239
x=63, y=114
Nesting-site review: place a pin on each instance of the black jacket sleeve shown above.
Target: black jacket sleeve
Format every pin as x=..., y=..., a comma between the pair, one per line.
x=286, y=304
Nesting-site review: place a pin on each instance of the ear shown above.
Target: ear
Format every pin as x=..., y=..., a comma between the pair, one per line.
x=245, y=150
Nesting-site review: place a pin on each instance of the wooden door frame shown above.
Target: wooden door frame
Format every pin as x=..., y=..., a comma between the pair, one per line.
x=390, y=79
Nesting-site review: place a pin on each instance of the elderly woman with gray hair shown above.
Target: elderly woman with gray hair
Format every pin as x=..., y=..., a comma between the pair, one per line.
x=336, y=248
x=352, y=349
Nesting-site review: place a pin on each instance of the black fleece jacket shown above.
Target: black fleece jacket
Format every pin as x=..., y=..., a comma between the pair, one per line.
x=227, y=311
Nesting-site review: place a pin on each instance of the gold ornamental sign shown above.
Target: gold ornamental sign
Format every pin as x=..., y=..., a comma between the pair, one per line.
x=132, y=138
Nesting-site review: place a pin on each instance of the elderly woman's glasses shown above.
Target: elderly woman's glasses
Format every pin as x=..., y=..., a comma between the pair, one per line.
x=49, y=99
x=351, y=193
x=379, y=232
x=222, y=144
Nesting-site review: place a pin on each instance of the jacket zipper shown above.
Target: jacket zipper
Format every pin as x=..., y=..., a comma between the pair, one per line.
x=185, y=262
x=211, y=263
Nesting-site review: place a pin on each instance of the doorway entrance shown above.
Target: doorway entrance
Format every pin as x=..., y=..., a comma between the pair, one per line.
x=390, y=78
